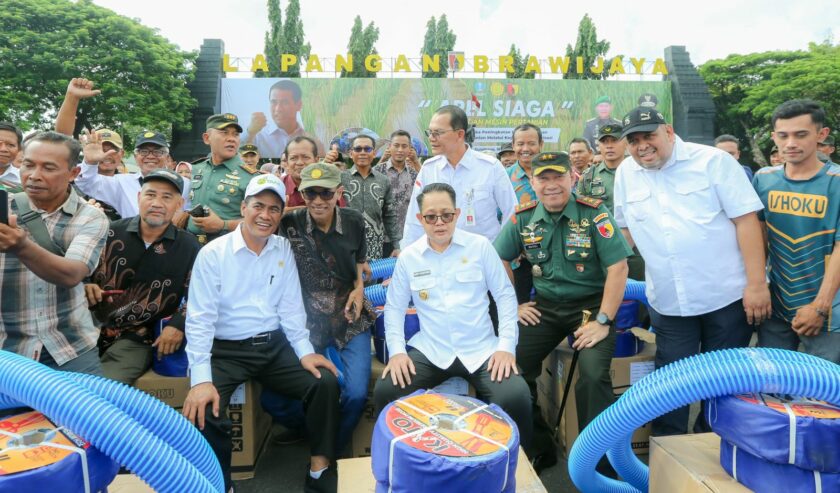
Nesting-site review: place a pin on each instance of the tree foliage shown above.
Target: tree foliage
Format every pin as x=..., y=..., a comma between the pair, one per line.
x=284, y=37
x=519, y=64
x=746, y=89
x=45, y=43
x=361, y=45
x=438, y=40
x=590, y=48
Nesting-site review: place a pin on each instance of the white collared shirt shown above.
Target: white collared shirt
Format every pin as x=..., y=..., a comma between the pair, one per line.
x=11, y=175
x=271, y=140
x=481, y=186
x=236, y=294
x=449, y=291
x=680, y=217
x=119, y=191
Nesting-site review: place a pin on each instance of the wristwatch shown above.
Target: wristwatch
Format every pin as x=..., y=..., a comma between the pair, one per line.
x=603, y=319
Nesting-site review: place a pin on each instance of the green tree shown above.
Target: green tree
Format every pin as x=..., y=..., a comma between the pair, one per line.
x=45, y=43
x=519, y=64
x=284, y=37
x=361, y=45
x=747, y=88
x=590, y=48
x=438, y=40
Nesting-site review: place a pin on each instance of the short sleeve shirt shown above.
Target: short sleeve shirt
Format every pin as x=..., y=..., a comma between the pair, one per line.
x=220, y=187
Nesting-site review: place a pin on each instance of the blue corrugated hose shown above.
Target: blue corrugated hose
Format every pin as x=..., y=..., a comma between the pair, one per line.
x=704, y=376
x=382, y=268
x=131, y=427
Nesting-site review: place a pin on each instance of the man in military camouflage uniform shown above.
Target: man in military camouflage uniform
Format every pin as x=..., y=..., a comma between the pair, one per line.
x=219, y=181
x=578, y=259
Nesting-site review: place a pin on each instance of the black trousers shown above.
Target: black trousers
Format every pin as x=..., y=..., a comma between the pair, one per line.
x=275, y=365
x=511, y=394
x=681, y=337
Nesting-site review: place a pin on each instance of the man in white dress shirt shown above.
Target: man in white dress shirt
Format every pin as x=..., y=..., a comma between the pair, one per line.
x=482, y=187
x=260, y=335
x=151, y=152
x=447, y=273
x=691, y=211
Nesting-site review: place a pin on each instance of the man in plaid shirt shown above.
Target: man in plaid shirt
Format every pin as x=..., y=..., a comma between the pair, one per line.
x=43, y=309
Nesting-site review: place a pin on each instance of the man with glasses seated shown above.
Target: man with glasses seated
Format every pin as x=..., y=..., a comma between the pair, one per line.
x=121, y=190
x=447, y=272
x=369, y=192
x=329, y=247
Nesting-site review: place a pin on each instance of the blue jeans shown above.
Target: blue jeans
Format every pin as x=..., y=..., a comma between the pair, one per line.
x=356, y=359
x=87, y=362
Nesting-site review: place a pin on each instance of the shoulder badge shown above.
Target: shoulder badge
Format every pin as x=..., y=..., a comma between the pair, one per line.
x=249, y=168
x=199, y=160
x=526, y=206
x=589, y=201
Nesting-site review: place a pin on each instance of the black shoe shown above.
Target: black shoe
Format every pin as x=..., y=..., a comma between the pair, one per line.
x=327, y=483
x=543, y=461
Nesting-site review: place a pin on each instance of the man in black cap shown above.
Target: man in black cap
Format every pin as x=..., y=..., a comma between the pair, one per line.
x=775, y=157
x=250, y=155
x=150, y=152
x=219, y=181
x=507, y=155
x=147, y=261
x=691, y=211
x=603, y=108
x=648, y=100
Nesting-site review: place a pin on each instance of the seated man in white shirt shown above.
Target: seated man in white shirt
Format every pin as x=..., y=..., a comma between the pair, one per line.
x=447, y=272
x=692, y=212
x=151, y=152
x=245, y=320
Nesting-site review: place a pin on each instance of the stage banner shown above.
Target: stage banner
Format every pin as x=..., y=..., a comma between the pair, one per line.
x=272, y=111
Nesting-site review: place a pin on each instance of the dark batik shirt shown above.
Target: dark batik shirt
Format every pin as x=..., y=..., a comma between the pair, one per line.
x=373, y=198
x=402, y=184
x=326, y=265
x=154, y=280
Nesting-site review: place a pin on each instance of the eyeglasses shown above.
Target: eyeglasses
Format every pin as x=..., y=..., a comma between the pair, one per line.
x=324, y=194
x=436, y=133
x=153, y=152
x=447, y=217
x=363, y=149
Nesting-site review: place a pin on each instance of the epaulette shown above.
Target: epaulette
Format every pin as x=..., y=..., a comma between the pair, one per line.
x=251, y=169
x=526, y=206
x=594, y=203
x=199, y=160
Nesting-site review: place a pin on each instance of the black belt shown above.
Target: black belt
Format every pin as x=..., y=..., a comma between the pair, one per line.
x=257, y=340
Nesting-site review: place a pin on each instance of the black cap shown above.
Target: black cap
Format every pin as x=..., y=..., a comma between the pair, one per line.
x=164, y=174
x=642, y=119
x=247, y=148
x=508, y=147
x=155, y=138
x=648, y=100
x=774, y=149
x=609, y=130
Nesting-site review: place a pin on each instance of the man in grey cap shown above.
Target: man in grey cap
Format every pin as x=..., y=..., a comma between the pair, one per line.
x=120, y=190
x=507, y=155
x=230, y=341
x=827, y=146
x=146, y=264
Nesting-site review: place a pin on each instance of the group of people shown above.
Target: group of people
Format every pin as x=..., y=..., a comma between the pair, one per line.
x=262, y=275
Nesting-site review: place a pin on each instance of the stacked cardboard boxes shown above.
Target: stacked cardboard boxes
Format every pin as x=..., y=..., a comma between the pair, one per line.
x=251, y=424
x=552, y=381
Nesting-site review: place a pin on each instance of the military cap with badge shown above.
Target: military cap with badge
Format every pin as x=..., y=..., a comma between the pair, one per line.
x=221, y=121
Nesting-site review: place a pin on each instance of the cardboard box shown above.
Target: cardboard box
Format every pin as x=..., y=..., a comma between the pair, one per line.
x=551, y=382
x=688, y=464
x=356, y=476
x=360, y=442
x=129, y=483
x=250, y=424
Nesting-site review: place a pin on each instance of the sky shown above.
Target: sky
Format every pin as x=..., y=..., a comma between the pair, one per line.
x=709, y=29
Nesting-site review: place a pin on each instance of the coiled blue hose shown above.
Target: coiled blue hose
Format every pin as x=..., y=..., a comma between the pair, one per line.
x=703, y=376
x=635, y=291
x=129, y=426
x=382, y=268
x=376, y=294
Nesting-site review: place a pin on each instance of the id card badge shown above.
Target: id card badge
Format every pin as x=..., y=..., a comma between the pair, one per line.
x=470, y=209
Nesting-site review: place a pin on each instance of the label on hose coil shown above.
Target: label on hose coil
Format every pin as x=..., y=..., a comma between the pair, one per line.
x=799, y=406
x=449, y=438
x=16, y=455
